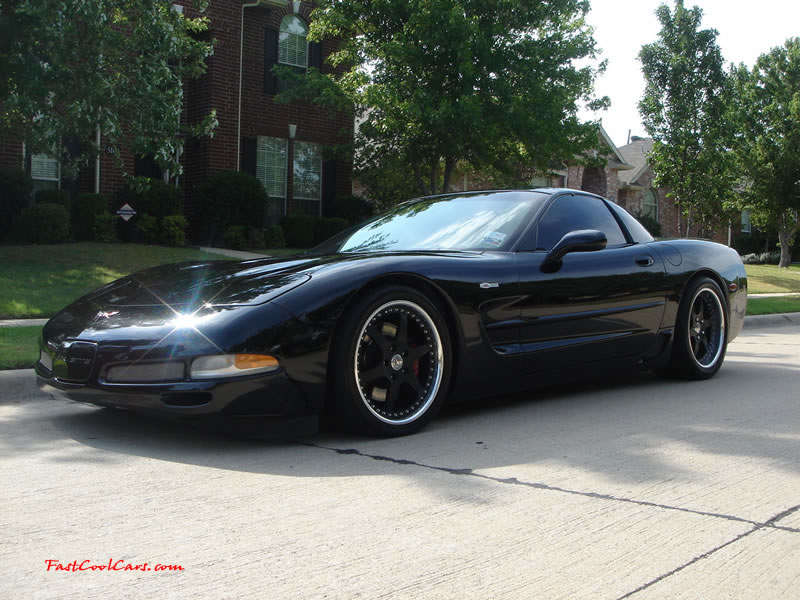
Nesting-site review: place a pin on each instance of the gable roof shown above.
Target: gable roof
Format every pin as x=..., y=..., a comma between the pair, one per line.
x=635, y=154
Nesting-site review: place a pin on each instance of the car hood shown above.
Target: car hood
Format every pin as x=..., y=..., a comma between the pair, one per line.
x=217, y=283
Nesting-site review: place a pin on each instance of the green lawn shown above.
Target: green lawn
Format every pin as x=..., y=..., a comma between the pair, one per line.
x=764, y=279
x=18, y=347
x=771, y=306
x=37, y=281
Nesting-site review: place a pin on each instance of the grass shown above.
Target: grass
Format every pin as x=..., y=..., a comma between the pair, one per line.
x=38, y=281
x=18, y=347
x=771, y=306
x=765, y=279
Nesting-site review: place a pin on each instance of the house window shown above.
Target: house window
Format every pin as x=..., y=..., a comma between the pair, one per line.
x=307, y=188
x=292, y=42
x=650, y=204
x=746, y=221
x=45, y=172
x=271, y=171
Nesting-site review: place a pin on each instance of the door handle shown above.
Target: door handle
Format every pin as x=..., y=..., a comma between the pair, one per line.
x=645, y=261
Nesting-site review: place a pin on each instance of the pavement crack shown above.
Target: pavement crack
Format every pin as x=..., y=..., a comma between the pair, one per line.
x=551, y=488
x=768, y=524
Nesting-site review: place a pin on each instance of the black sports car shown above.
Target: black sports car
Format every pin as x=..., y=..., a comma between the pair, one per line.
x=457, y=296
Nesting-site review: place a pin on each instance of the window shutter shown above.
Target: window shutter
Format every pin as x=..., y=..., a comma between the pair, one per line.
x=249, y=156
x=328, y=186
x=315, y=55
x=270, y=60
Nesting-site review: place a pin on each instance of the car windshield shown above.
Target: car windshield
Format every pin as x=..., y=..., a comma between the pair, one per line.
x=490, y=221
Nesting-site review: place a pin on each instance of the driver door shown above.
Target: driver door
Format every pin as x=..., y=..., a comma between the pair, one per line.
x=600, y=305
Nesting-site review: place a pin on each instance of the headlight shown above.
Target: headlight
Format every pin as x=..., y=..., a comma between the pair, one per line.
x=232, y=365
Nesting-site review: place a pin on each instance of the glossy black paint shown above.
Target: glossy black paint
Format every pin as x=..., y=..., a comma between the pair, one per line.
x=515, y=319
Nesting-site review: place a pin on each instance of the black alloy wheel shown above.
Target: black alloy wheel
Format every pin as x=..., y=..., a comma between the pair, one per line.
x=396, y=366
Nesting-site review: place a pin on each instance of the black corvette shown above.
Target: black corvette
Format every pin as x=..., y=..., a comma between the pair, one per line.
x=452, y=296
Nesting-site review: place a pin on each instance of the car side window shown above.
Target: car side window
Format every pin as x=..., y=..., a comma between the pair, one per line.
x=571, y=213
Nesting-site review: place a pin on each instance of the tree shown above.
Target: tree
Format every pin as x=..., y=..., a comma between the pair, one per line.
x=442, y=81
x=68, y=67
x=768, y=142
x=683, y=109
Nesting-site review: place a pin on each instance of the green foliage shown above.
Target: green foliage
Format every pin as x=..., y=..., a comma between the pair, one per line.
x=43, y=223
x=85, y=210
x=767, y=112
x=53, y=197
x=148, y=227
x=150, y=196
x=273, y=237
x=762, y=258
x=255, y=238
x=229, y=198
x=298, y=230
x=15, y=195
x=71, y=66
x=749, y=243
x=235, y=237
x=442, y=81
x=326, y=228
x=652, y=225
x=104, y=228
x=354, y=209
x=684, y=110
x=173, y=230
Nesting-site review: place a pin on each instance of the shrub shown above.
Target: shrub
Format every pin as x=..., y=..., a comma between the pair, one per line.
x=298, y=230
x=151, y=197
x=762, y=258
x=85, y=210
x=15, y=195
x=652, y=225
x=44, y=223
x=235, y=237
x=148, y=227
x=104, y=227
x=173, y=230
x=746, y=243
x=353, y=209
x=326, y=228
x=255, y=238
x=229, y=198
x=273, y=237
x=53, y=197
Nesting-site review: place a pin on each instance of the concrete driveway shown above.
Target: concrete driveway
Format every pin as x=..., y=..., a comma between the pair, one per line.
x=638, y=488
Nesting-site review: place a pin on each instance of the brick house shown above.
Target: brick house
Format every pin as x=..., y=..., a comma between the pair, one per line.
x=286, y=146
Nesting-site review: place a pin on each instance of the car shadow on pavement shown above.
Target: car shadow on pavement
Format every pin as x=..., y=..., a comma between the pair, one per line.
x=626, y=430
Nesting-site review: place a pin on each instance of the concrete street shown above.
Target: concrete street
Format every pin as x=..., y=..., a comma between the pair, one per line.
x=638, y=488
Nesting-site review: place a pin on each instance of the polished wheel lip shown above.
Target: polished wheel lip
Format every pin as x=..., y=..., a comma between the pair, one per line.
x=438, y=355
x=719, y=332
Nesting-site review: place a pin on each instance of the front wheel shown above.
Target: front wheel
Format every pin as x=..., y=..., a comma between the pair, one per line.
x=701, y=332
x=391, y=363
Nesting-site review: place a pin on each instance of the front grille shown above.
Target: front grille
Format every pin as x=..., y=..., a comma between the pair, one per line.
x=146, y=373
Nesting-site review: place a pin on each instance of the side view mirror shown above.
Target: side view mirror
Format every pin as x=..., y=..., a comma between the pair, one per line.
x=583, y=240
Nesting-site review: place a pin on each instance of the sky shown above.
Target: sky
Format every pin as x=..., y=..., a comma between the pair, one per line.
x=746, y=29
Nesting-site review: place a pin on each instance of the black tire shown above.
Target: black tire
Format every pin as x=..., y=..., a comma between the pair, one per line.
x=701, y=332
x=391, y=363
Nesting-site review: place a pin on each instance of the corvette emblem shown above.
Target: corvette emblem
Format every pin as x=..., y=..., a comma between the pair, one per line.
x=486, y=286
x=105, y=315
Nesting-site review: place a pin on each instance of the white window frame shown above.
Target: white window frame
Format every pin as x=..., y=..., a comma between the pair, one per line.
x=47, y=159
x=747, y=226
x=655, y=203
x=295, y=194
x=284, y=39
x=261, y=146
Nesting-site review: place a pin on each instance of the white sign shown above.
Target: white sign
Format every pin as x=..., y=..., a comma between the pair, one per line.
x=126, y=212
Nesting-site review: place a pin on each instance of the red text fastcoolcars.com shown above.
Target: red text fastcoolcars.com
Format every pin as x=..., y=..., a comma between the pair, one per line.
x=112, y=565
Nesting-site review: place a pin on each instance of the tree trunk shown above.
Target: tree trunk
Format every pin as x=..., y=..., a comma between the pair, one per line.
x=449, y=161
x=689, y=222
x=423, y=190
x=434, y=174
x=784, y=236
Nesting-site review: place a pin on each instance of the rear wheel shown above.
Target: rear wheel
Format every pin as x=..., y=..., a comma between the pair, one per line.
x=701, y=332
x=391, y=363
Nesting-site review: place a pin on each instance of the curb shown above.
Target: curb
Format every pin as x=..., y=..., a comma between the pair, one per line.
x=22, y=322
x=766, y=321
